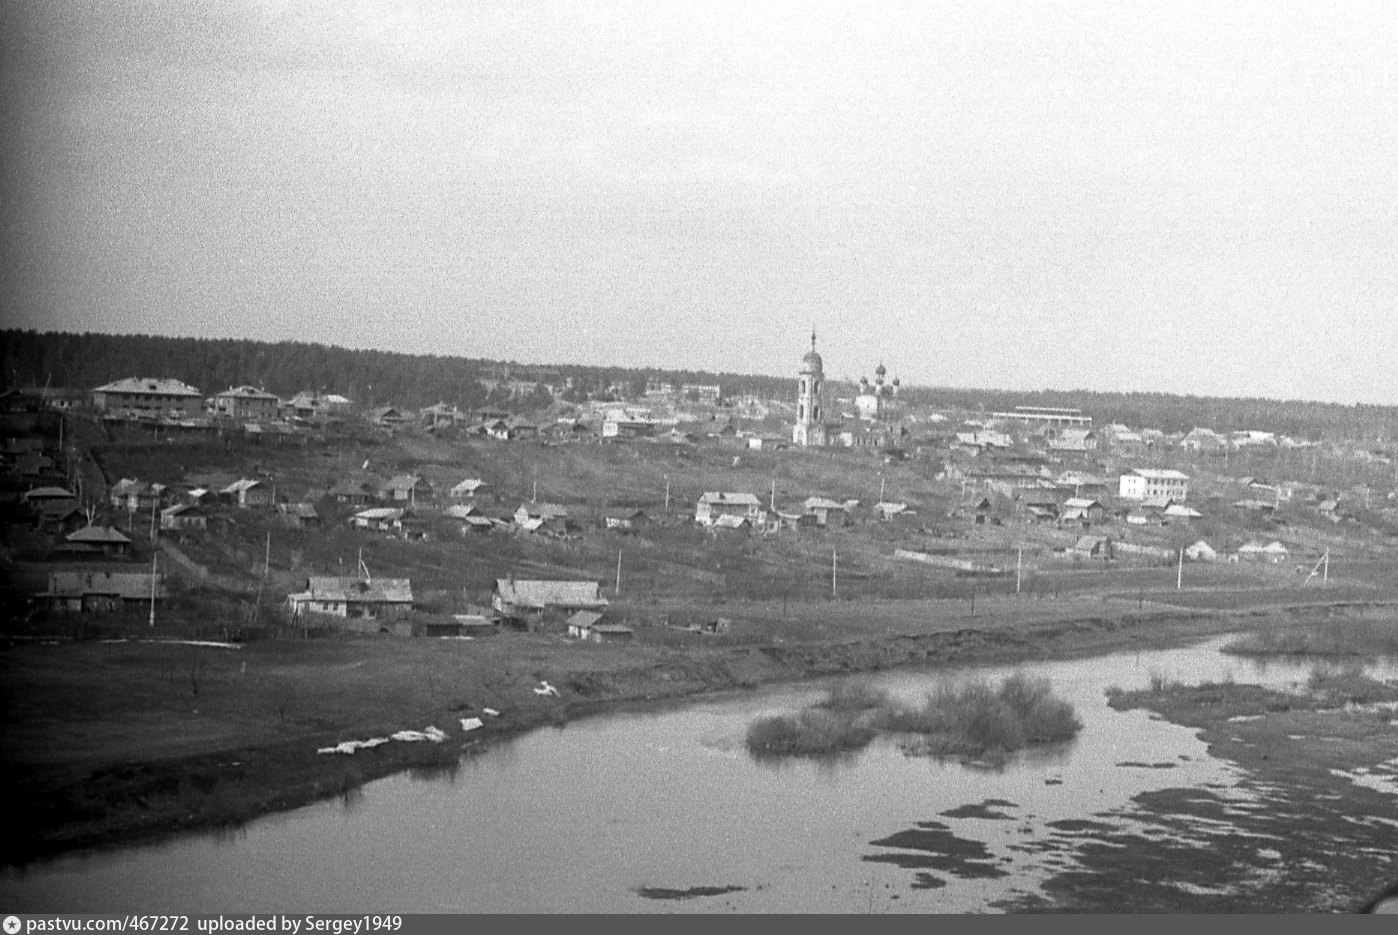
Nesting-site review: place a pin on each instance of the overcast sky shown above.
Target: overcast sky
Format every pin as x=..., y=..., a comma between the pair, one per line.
x=1164, y=196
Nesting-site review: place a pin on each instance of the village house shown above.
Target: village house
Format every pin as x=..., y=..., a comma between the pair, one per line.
x=183, y=517
x=248, y=493
x=50, y=506
x=1095, y=548
x=732, y=524
x=887, y=510
x=470, y=518
x=135, y=496
x=442, y=416
x=406, y=488
x=626, y=520
x=535, y=510
x=1254, y=552
x=245, y=402
x=1081, y=511
x=355, y=491
x=97, y=592
x=713, y=504
x=299, y=515
x=389, y=417
x=470, y=489
x=527, y=602
x=98, y=539
x=1181, y=512
x=311, y=406
x=143, y=397
x=353, y=598
x=1203, y=440
x=1142, y=483
x=379, y=519
x=1074, y=441
x=587, y=626
x=826, y=512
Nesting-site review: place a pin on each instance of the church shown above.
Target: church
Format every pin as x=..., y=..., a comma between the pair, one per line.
x=877, y=402
x=877, y=405
x=810, y=430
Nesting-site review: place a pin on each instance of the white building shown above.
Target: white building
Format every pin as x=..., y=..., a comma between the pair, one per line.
x=1149, y=483
x=810, y=426
x=714, y=504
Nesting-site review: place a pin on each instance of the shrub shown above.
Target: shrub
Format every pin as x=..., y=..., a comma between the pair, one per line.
x=813, y=732
x=855, y=696
x=974, y=718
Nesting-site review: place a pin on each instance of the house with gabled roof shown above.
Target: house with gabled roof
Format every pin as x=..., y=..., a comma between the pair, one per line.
x=826, y=511
x=527, y=601
x=248, y=493
x=355, y=491
x=183, y=516
x=102, y=591
x=102, y=539
x=147, y=397
x=470, y=489
x=1082, y=510
x=379, y=519
x=442, y=416
x=537, y=510
x=353, y=598
x=245, y=402
x=713, y=504
x=134, y=496
x=406, y=488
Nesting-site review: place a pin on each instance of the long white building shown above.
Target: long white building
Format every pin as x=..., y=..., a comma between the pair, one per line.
x=1150, y=483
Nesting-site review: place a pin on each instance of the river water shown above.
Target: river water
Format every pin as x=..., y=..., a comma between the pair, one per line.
x=587, y=817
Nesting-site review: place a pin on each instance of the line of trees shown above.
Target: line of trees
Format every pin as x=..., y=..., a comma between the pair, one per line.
x=370, y=378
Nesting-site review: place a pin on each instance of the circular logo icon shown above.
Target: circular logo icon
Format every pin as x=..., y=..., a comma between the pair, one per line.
x=11, y=925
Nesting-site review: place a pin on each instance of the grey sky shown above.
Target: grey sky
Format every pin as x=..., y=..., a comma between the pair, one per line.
x=1179, y=197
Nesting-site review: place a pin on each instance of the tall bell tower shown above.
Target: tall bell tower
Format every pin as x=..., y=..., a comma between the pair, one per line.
x=810, y=415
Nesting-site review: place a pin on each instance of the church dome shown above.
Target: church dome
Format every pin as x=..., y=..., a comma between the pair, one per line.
x=812, y=363
x=879, y=370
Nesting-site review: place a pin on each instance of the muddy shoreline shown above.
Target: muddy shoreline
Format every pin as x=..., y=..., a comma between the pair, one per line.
x=131, y=802
x=1304, y=830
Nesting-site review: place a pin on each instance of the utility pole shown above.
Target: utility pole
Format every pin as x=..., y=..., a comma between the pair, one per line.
x=618, y=571
x=667, y=494
x=153, y=557
x=1179, y=575
x=1019, y=565
x=834, y=574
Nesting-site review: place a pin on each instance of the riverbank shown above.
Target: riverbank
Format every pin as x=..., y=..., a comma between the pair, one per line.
x=116, y=743
x=1308, y=827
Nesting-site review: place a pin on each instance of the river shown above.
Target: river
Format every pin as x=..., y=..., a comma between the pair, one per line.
x=607, y=812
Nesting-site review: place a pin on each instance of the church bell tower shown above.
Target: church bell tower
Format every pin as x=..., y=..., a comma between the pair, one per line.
x=810, y=416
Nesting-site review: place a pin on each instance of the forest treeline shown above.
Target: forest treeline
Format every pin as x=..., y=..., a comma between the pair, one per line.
x=371, y=378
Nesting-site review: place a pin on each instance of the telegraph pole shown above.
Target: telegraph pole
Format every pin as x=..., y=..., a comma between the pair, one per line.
x=1179, y=575
x=1019, y=565
x=834, y=573
x=618, y=571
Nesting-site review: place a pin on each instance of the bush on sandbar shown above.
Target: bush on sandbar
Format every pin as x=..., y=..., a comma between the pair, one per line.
x=974, y=718
x=813, y=732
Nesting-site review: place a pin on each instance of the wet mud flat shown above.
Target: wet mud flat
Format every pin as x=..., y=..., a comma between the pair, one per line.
x=1310, y=823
